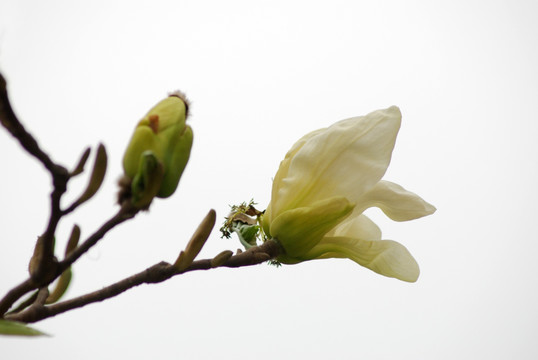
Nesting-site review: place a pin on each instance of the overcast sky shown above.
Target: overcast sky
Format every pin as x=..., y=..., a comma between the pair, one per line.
x=260, y=74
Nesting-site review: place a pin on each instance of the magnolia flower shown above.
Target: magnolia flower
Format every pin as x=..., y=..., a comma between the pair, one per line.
x=324, y=184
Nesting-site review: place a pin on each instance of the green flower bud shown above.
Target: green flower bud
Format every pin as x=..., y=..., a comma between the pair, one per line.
x=159, y=150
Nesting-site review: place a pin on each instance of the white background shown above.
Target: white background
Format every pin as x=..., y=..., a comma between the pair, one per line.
x=261, y=74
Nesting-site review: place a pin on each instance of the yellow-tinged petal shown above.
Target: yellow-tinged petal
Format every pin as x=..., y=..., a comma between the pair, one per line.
x=396, y=202
x=282, y=172
x=359, y=239
x=298, y=230
x=357, y=226
x=385, y=257
x=346, y=159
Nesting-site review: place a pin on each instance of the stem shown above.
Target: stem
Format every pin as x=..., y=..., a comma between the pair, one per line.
x=154, y=274
x=13, y=125
x=42, y=264
x=126, y=212
x=15, y=294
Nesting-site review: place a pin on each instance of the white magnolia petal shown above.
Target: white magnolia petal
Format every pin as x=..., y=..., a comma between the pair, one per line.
x=299, y=143
x=385, y=257
x=283, y=168
x=396, y=202
x=357, y=227
x=346, y=159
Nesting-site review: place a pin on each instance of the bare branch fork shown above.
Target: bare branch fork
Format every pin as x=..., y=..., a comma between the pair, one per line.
x=30, y=284
x=44, y=268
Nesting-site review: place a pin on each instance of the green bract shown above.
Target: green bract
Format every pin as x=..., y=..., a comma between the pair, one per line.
x=325, y=182
x=158, y=151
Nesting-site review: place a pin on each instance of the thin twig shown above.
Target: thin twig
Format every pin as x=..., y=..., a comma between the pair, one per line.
x=15, y=294
x=13, y=125
x=23, y=305
x=42, y=296
x=126, y=212
x=154, y=274
x=42, y=263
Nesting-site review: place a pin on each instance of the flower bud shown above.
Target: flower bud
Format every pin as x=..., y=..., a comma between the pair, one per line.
x=162, y=136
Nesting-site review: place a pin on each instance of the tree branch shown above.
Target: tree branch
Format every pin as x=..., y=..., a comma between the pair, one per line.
x=45, y=268
x=13, y=125
x=126, y=212
x=23, y=305
x=154, y=274
x=42, y=263
x=15, y=294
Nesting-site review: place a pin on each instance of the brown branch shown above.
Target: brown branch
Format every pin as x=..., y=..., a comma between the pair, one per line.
x=15, y=294
x=42, y=296
x=42, y=263
x=44, y=268
x=126, y=212
x=154, y=274
x=13, y=125
x=23, y=305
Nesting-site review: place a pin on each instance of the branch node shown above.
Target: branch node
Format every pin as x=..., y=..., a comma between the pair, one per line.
x=221, y=258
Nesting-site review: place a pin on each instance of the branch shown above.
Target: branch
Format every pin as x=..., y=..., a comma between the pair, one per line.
x=154, y=274
x=23, y=305
x=126, y=212
x=15, y=294
x=42, y=262
x=44, y=268
x=13, y=125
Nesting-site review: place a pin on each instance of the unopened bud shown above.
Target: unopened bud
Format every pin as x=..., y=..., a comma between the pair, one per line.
x=162, y=135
